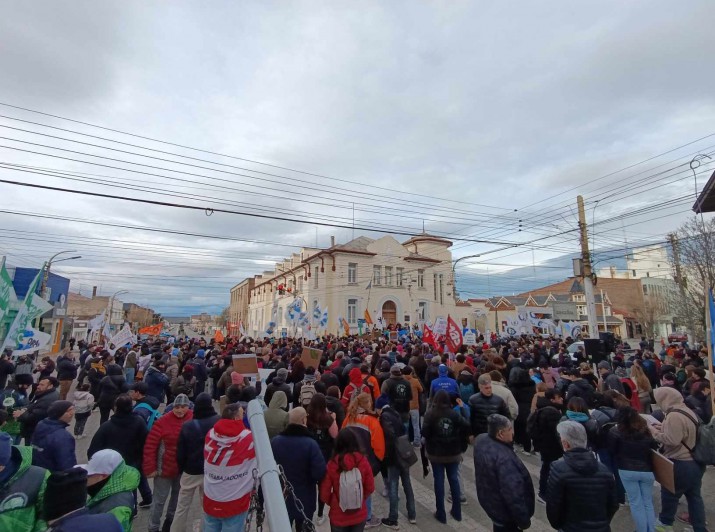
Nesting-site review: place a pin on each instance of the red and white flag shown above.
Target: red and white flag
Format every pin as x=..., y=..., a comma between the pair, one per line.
x=454, y=335
x=428, y=336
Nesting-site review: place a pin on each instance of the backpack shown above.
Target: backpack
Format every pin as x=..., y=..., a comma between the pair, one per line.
x=351, y=496
x=307, y=391
x=704, y=450
x=153, y=414
x=466, y=391
x=631, y=392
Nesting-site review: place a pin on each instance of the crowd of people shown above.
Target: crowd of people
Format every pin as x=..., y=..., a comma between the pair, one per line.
x=371, y=408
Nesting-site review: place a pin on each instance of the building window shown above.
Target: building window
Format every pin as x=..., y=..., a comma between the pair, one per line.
x=634, y=273
x=352, y=311
x=421, y=310
x=279, y=318
x=388, y=275
x=352, y=273
x=399, y=273
x=645, y=290
x=420, y=278
x=581, y=309
x=434, y=286
x=315, y=277
x=376, y=274
x=441, y=289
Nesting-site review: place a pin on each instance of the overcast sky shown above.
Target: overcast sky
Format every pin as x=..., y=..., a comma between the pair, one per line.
x=449, y=113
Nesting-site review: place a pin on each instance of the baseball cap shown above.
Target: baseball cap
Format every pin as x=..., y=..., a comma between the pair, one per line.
x=103, y=462
x=182, y=400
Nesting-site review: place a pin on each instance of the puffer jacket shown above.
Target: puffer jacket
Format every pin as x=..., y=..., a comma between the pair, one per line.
x=581, y=494
x=25, y=516
x=481, y=407
x=116, y=497
x=631, y=451
x=504, y=486
x=111, y=386
x=53, y=446
x=124, y=433
x=66, y=369
x=330, y=489
x=581, y=388
x=445, y=433
x=157, y=383
x=278, y=383
x=275, y=415
x=541, y=426
x=161, y=445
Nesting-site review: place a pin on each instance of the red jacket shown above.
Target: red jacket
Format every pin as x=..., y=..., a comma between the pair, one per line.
x=330, y=489
x=161, y=444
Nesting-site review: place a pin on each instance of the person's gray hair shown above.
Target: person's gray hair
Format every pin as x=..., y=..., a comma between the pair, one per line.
x=496, y=423
x=574, y=433
x=484, y=379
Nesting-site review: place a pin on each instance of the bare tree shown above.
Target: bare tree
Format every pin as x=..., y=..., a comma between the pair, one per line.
x=224, y=317
x=695, y=251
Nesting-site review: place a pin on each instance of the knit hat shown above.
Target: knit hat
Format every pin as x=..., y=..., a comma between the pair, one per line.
x=182, y=400
x=5, y=448
x=604, y=365
x=58, y=409
x=282, y=373
x=66, y=492
x=203, y=406
x=395, y=370
x=201, y=353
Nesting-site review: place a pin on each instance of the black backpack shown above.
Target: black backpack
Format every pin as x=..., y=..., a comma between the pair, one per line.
x=400, y=396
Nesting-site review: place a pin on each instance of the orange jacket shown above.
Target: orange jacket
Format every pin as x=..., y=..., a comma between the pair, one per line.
x=377, y=437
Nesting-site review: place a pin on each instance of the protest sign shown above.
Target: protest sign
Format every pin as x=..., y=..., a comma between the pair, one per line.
x=440, y=326
x=311, y=357
x=246, y=364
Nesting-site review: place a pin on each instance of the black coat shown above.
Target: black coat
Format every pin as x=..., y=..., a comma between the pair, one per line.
x=126, y=434
x=66, y=369
x=335, y=406
x=445, y=433
x=581, y=388
x=632, y=452
x=53, y=446
x=541, y=427
x=303, y=465
x=36, y=412
x=392, y=427
x=110, y=387
x=273, y=387
x=504, y=486
x=190, y=449
x=581, y=495
x=481, y=407
x=523, y=394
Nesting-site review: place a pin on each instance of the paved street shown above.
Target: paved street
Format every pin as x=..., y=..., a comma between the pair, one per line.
x=474, y=518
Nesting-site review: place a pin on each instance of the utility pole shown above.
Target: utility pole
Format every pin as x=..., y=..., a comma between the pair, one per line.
x=586, y=272
x=675, y=245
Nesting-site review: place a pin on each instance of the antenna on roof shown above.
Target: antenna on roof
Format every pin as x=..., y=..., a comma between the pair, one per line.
x=423, y=227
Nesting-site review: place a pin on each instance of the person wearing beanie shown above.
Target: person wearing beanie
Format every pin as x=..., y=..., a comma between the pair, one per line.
x=65, y=505
x=278, y=383
x=160, y=461
x=15, y=397
x=53, y=445
x=190, y=458
x=229, y=459
x=45, y=394
x=399, y=393
x=26, y=482
x=172, y=372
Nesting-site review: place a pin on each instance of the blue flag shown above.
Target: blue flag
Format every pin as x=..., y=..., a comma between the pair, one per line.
x=711, y=304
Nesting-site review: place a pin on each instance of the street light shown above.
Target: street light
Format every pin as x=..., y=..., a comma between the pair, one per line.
x=111, y=306
x=454, y=276
x=46, y=274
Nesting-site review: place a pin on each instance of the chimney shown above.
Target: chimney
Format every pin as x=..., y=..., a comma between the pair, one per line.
x=332, y=241
x=94, y=292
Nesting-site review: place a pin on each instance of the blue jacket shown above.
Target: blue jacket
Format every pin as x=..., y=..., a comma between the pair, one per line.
x=303, y=464
x=446, y=384
x=81, y=521
x=504, y=486
x=53, y=446
x=157, y=383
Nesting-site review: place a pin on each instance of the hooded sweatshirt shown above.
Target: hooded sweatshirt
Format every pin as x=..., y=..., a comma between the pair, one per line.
x=355, y=386
x=230, y=458
x=678, y=427
x=275, y=415
x=443, y=382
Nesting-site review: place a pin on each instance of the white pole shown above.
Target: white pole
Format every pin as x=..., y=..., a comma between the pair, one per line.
x=603, y=304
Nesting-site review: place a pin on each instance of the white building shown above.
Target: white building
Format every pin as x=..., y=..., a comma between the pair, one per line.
x=646, y=262
x=403, y=283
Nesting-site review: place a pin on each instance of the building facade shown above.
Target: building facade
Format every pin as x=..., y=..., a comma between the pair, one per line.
x=238, y=308
x=85, y=308
x=400, y=282
x=138, y=316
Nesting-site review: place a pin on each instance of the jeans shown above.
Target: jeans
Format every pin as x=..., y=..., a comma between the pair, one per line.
x=688, y=479
x=162, y=487
x=190, y=484
x=394, y=474
x=350, y=528
x=368, y=505
x=544, y=477
x=606, y=459
x=236, y=523
x=415, y=420
x=639, y=487
x=144, y=489
x=129, y=374
x=439, y=470
x=80, y=420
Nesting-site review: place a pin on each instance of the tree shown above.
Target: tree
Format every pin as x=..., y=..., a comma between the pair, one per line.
x=224, y=317
x=694, y=267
